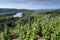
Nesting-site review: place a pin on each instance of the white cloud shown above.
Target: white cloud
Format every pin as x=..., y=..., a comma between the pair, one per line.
x=29, y=4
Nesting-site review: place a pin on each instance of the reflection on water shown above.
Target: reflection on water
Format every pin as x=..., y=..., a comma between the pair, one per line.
x=19, y=14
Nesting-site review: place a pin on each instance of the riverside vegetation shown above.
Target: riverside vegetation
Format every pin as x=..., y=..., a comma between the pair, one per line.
x=46, y=25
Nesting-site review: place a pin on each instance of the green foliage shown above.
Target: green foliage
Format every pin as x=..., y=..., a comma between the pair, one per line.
x=6, y=35
x=29, y=26
x=44, y=25
x=5, y=14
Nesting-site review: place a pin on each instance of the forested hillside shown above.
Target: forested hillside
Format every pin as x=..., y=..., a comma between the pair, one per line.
x=31, y=26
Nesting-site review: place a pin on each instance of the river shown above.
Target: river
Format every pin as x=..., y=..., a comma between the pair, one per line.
x=18, y=14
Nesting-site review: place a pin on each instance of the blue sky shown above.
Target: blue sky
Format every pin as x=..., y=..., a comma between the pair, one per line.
x=30, y=4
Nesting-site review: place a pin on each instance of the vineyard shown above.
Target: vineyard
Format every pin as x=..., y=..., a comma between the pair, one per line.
x=35, y=25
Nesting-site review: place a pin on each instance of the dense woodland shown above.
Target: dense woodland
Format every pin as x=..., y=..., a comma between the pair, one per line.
x=31, y=26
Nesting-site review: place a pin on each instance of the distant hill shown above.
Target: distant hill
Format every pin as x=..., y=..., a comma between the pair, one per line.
x=24, y=10
x=14, y=10
x=44, y=10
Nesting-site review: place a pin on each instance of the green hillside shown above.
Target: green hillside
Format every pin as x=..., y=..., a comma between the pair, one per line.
x=33, y=26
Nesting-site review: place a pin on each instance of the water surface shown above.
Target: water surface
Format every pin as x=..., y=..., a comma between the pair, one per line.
x=18, y=14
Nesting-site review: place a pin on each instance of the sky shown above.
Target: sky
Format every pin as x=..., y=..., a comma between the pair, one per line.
x=30, y=4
